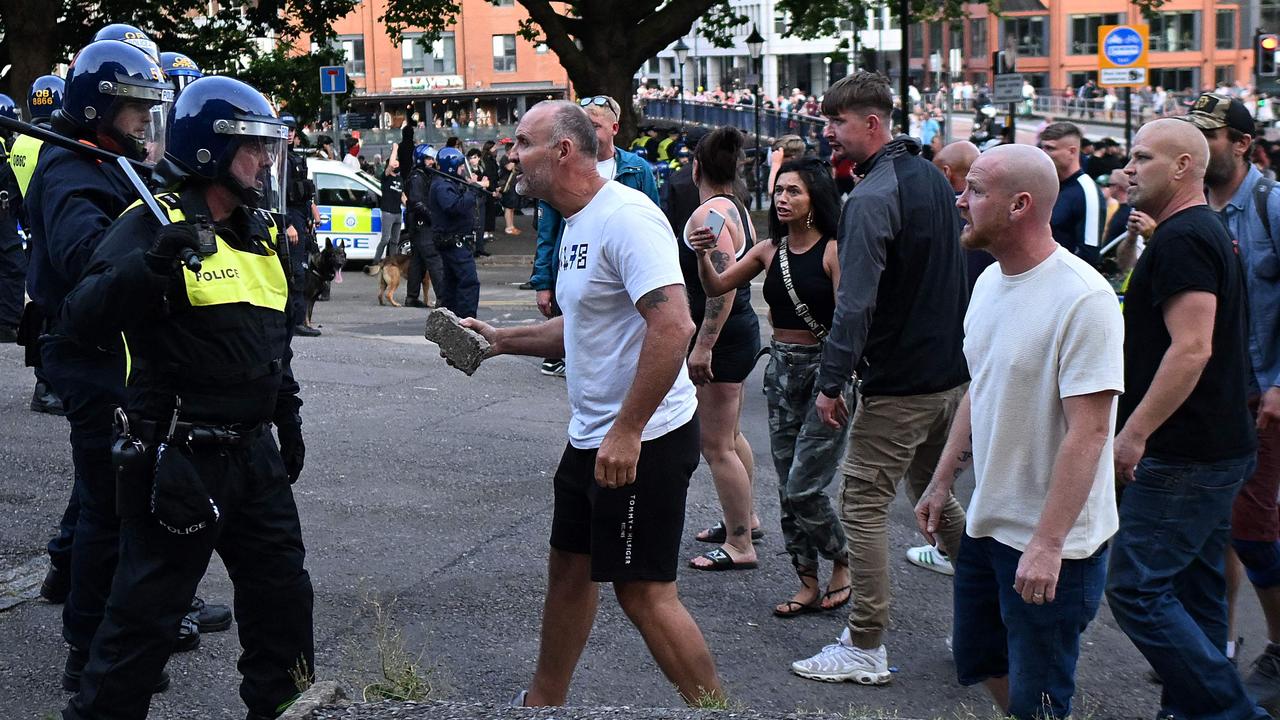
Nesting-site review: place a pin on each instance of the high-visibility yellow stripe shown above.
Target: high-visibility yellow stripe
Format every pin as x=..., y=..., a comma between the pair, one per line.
x=231, y=276
x=22, y=158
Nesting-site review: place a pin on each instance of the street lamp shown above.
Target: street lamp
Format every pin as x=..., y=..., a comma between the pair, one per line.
x=682, y=53
x=755, y=44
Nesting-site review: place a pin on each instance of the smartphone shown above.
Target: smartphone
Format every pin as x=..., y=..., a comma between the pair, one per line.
x=715, y=221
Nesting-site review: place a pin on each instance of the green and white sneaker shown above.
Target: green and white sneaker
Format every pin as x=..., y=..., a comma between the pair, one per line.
x=930, y=557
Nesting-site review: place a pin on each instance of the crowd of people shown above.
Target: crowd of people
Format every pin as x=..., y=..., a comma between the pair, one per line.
x=936, y=313
x=1117, y=445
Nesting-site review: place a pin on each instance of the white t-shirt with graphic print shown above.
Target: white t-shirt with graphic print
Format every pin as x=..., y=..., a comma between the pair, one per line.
x=614, y=251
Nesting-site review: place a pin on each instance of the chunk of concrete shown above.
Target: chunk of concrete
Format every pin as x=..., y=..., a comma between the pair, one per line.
x=464, y=348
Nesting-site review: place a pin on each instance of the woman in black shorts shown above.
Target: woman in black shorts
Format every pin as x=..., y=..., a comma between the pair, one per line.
x=806, y=453
x=724, y=348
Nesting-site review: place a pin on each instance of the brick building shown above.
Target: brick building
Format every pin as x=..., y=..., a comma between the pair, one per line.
x=479, y=74
x=1195, y=44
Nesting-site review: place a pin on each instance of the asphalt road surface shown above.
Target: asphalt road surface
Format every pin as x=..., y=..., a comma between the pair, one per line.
x=428, y=493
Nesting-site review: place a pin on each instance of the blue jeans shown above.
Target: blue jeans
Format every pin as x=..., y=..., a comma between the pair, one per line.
x=1166, y=585
x=998, y=634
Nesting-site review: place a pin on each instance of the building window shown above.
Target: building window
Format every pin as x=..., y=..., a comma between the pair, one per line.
x=1224, y=76
x=1084, y=32
x=1175, y=79
x=1076, y=79
x=780, y=21
x=440, y=59
x=1175, y=31
x=916, y=39
x=503, y=3
x=1226, y=31
x=541, y=49
x=353, y=49
x=1029, y=34
x=955, y=38
x=935, y=37
x=504, y=53
x=978, y=37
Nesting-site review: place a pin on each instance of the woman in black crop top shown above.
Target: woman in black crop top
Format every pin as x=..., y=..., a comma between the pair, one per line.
x=723, y=351
x=806, y=453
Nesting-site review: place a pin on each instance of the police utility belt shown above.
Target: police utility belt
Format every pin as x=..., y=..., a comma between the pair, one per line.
x=448, y=240
x=158, y=472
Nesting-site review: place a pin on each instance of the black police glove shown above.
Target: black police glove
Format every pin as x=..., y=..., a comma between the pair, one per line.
x=292, y=449
x=174, y=242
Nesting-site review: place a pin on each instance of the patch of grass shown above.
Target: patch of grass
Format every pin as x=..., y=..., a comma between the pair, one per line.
x=302, y=676
x=710, y=700
x=401, y=677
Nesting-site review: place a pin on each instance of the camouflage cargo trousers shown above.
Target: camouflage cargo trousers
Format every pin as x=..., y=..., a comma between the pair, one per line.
x=806, y=453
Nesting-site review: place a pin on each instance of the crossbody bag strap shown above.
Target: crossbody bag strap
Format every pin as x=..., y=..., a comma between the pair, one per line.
x=802, y=310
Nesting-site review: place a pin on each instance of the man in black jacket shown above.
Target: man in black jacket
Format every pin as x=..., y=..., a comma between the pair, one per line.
x=899, y=323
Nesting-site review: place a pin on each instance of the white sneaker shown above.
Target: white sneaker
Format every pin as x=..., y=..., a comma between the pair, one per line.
x=930, y=557
x=842, y=661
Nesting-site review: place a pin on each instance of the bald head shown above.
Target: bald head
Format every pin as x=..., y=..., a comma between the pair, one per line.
x=1167, y=166
x=954, y=160
x=1008, y=201
x=1016, y=169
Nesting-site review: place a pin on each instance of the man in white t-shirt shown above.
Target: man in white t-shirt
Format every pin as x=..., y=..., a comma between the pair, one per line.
x=633, y=436
x=1044, y=344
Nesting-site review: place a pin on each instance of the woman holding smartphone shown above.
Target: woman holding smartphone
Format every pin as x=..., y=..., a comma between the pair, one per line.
x=724, y=348
x=802, y=273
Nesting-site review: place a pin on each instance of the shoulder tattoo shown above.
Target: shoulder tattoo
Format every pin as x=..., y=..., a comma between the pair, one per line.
x=653, y=299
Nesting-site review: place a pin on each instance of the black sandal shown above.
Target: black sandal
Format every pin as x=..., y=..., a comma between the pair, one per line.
x=716, y=534
x=794, y=608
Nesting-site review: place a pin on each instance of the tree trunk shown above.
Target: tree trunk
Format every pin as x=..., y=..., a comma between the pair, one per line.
x=617, y=37
x=28, y=46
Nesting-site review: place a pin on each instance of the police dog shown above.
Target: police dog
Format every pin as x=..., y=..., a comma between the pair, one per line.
x=324, y=267
x=391, y=273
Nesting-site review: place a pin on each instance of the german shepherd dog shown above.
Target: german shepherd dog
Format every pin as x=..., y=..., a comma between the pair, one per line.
x=390, y=274
x=323, y=268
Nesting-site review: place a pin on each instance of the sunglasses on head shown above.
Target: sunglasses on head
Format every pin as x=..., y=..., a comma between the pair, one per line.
x=602, y=100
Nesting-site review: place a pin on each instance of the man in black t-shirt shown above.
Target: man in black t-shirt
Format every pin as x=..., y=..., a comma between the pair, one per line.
x=1186, y=442
x=392, y=195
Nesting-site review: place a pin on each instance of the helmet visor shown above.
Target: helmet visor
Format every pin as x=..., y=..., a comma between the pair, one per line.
x=259, y=164
x=155, y=135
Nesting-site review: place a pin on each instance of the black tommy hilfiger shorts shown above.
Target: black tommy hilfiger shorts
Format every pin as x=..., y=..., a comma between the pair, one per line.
x=631, y=532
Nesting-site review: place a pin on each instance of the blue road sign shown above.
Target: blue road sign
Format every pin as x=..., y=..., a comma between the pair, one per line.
x=333, y=80
x=1123, y=46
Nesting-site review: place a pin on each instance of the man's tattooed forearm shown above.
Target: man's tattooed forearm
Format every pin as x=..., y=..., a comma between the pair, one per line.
x=653, y=299
x=965, y=456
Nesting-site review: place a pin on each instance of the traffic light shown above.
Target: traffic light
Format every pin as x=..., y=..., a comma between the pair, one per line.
x=1265, y=50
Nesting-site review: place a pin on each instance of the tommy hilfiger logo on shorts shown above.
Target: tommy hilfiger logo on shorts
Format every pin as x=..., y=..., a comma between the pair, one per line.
x=627, y=531
x=574, y=256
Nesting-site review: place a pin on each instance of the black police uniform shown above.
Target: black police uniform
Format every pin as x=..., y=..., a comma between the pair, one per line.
x=13, y=261
x=299, y=197
x=426, y=258
x=452, y=206
x=70, y=203
x=219, y=342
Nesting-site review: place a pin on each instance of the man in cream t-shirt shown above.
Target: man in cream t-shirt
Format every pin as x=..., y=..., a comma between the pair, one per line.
x=1043, y=340
x=633, y=435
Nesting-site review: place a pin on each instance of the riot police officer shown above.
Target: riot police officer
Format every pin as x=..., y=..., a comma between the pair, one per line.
x=301, y=216
x=110, y=90
x=426, y=258
x=44, y=97
x=453, y=206
x=197, y=466
x=13, y=262
x=180, y=69
x=129, y=34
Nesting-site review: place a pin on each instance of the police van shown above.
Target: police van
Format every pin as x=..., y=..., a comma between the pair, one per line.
x=348, y=203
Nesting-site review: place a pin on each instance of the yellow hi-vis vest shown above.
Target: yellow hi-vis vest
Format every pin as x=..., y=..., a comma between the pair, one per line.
x=22, y=158
x=233, y=276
